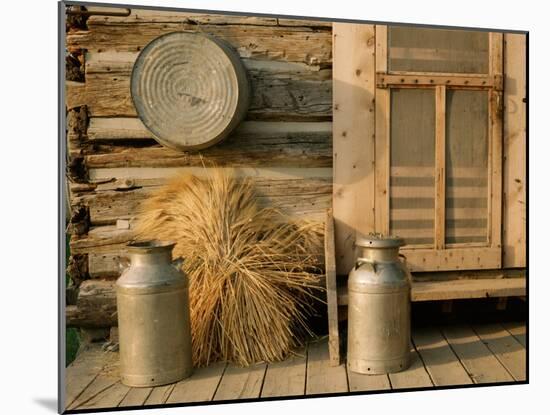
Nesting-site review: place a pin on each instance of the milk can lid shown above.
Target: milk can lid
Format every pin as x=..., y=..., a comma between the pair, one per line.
x=379, y=241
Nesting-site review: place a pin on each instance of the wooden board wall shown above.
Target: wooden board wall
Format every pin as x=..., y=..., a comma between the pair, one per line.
x=284, y=144
x=358, y=134
x=353, y=137
x=515, y=152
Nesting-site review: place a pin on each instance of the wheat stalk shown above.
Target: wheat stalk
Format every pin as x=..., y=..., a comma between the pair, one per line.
x=253, y=272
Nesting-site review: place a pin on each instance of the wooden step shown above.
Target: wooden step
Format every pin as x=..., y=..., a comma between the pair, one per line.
x=458, y=289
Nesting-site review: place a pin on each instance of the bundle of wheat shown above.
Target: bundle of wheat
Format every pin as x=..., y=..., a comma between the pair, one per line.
x=252, y=272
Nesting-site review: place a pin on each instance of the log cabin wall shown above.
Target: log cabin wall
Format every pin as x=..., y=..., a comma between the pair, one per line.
x=285, y=142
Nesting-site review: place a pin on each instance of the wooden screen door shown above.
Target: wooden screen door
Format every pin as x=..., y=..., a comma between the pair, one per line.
x=438, y=145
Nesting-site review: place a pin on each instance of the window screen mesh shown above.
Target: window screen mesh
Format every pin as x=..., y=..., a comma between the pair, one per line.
x=437, y=50
x=466, y=166
x=412, y=163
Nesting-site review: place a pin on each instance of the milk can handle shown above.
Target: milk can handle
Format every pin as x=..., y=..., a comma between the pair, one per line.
x=123, y=263
x=178, y=262
x=360, y=261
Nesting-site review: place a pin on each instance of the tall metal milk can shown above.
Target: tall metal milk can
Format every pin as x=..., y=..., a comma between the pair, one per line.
x=379, y=307
x=153, y=316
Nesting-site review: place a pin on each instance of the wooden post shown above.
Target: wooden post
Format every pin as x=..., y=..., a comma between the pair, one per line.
x=515, y=152
x=382, y=144
x=494, y=219
x=440, y=167
x=332, y=296
x=353, y=137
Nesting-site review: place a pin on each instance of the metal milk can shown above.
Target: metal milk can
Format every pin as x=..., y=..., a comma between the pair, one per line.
x=379, y=307
x=153, y=316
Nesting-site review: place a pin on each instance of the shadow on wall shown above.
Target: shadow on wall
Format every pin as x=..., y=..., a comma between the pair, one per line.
x=353, y=163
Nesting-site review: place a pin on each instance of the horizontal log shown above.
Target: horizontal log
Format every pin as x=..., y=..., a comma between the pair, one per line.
x=253, y=143
x=95, y=306
x=292, y=145
x=105, y=265
x=128, y=178
x=165, y=16
x=100, y=239
x=110, y=238
x=309, y=45
x=121, y=62
x=75, y=94
x=305, y=197
x=280, y=90
x=295, y=197
x=120, y=128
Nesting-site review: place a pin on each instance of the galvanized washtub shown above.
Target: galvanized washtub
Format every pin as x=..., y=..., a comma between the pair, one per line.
x=189, y=89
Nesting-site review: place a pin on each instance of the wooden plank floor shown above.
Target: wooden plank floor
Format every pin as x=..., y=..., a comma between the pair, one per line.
x=441, y=356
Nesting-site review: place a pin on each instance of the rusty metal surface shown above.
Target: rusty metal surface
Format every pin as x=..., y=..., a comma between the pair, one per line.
x=189, y=89
x=153, y=317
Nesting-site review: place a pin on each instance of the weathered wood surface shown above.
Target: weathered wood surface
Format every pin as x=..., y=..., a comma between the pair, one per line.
x=509, y=352
x=481, y=364
x=445, y=361
x=322, y=377
x=82, y=372
x=441, y=363
x=310, y=45
x=287, y=138
x=462, y=258
x=163, y=16
x=108, y=398
x=353, y=137
x=440, y=168
x=458, y=289
x=514, y=241
x=461, y=289
x=415, y=376
x=280, y=90
x=295, y=197
x=469, y=275
x=332, y=293
x=200, y=387
x=382, y=168
x=120, y=128
x=517, y=330
x=275, y=151
x=241, y=382
x=101, y=239
x=286, y=378
x=95, y=306
x=159, y=395
x=359, y=382
x=136, y=397
x=100, y=384
x=494, y=219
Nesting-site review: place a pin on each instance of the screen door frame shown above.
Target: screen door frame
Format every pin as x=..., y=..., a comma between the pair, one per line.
x=441, y=256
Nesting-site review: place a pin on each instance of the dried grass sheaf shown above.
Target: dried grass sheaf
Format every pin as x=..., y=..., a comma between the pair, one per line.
x=253, y=273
